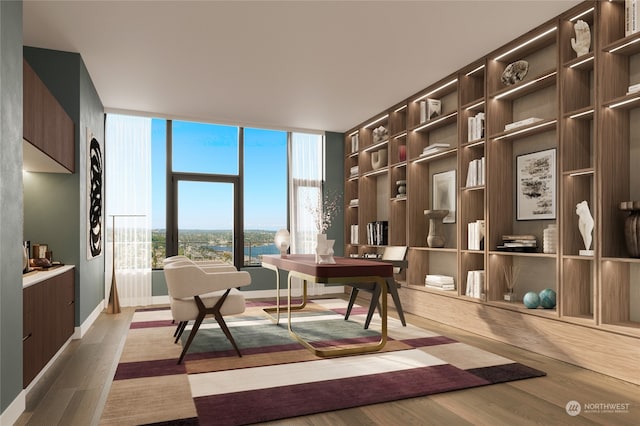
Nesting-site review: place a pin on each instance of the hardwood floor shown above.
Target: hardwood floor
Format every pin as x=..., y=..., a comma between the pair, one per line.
x=75, y=389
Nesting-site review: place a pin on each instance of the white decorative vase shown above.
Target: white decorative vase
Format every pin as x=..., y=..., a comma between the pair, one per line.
x=324, y=250
x=379, y=159
x=550, y=239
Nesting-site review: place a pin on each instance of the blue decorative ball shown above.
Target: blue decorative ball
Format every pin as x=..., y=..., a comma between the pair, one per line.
x=548, y=298
x=531, y=300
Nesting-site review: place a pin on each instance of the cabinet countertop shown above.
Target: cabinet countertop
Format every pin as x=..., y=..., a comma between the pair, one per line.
x=35, y=277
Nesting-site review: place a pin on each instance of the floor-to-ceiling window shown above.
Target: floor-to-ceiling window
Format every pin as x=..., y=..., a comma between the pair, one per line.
x=219, y=192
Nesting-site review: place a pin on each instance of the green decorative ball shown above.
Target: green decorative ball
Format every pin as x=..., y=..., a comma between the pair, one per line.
x=547, y=298
x=531, y=300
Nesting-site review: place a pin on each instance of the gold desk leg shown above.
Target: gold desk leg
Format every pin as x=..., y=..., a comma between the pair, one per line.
x=289, y=307
x=348, y=349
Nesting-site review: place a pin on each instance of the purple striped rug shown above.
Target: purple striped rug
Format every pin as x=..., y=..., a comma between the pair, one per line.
x=277, y=378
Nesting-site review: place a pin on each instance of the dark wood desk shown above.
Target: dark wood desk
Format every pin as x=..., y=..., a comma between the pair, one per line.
x=344, y=271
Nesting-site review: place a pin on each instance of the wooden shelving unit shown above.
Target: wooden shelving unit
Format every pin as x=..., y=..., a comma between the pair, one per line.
x=593, y=125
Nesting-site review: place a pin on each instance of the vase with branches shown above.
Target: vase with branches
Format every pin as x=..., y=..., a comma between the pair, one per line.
x=511, y=275
x=324, y=209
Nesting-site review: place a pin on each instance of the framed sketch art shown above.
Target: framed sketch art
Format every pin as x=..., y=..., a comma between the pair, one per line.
x=444, y=194
x=536, y=185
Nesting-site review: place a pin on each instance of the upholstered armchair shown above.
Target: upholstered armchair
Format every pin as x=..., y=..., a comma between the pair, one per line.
x=196, y=292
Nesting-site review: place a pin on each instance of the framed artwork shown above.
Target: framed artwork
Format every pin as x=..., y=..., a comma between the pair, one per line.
x=536, y=185
x=95, y=193
x=444, y=194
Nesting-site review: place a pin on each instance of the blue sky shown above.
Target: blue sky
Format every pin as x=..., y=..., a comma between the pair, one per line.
x=209, y=148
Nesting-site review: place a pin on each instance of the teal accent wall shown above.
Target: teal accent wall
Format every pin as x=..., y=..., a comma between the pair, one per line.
x=10, y=202
x=55, y=205
x=334, y=183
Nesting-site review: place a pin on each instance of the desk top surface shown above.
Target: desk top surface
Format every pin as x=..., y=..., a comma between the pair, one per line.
x=344, y=266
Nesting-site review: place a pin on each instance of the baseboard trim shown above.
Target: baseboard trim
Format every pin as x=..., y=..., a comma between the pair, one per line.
x=14, y=410
x=81, y=330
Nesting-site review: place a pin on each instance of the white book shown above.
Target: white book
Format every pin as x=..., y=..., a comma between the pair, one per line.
x=471, y=129
x=423, y=111
x=434, y=108
x=631, y=18
x=472, y=173
x=470, y=279
x=479, y=125
x=444, y=287
x=442, y=279
x=482, y=172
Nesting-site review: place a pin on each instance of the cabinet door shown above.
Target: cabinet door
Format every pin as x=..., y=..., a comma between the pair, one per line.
x=33, y=116
x=65, y=307
x=32, y=340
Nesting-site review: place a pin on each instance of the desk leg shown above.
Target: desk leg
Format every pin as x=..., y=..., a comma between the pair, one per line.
x=278, y=306
x=383, y=284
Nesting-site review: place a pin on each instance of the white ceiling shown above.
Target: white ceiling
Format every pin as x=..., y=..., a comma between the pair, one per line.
x=324, y=65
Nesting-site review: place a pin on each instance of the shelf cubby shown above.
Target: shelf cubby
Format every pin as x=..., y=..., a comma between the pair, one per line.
x=578, y=289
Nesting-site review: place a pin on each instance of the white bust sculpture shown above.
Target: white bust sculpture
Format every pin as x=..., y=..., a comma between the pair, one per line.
x=585, y=224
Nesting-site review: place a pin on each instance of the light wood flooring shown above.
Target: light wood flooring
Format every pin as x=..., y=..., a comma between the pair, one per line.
x=75, y=389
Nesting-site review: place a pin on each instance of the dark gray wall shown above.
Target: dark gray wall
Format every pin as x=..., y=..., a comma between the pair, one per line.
x=55, y=205
x=10, y=202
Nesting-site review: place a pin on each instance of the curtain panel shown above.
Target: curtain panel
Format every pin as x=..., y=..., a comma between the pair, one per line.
x=128, y=207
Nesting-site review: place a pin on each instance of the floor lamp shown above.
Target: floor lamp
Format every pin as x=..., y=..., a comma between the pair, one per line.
x=113, y=307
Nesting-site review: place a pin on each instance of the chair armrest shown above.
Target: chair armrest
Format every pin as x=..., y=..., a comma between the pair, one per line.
x=191, y=280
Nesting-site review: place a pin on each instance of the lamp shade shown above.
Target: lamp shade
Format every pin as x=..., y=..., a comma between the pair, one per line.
x=282, y=240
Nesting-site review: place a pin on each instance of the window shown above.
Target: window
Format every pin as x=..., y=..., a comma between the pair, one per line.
x=265, y=191
x=221, y=192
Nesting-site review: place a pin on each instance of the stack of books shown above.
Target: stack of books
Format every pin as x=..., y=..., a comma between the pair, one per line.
x=429, y=109
x=521, y=123
x=439, y=282
x=524, y=243
x=475, y=235
x=475, y=129
x=354, y=171
x=475, y=174
x=634, y=88
x=434, y=148
x=353, y=202
x=377, y=233
x=475, y=284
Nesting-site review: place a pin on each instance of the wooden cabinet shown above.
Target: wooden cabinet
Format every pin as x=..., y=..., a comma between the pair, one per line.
x=48, y=321
x=586, y=118
x=46, y=125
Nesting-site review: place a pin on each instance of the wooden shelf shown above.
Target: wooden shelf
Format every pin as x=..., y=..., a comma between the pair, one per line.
x=627, y=46
x=523, y=254
x=436, y=123
x=526, y=87
x=438, y=155
x=625, y=102
x=584, y=62
x=585, y=113
x=525, y=131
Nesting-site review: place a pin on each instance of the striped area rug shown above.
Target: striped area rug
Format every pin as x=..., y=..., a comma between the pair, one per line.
x=276, y=377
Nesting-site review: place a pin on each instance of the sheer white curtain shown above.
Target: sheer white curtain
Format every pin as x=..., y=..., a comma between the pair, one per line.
x=306, y=176
x=128, y=207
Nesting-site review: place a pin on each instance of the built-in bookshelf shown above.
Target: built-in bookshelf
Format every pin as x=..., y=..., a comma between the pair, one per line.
x=580, y=115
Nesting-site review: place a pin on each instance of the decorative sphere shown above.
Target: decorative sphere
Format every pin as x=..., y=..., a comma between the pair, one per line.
x=531, y=300
x=547, y=298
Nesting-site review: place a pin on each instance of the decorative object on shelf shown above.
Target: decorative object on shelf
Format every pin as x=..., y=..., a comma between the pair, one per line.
x=536, y=185
x=585, y=225
x=510, y=275
x=444, y=194
x=582, y=41
x=401, y=188
x=380, y=134
x=547, y=298
x=282, y=240
x=324, y=250
x=435, y=237
x=379, y=159
x=25, y=257
x=402, y=153
x=515, y=72
x=550, y=239
x=632, y=227
x=531, y=300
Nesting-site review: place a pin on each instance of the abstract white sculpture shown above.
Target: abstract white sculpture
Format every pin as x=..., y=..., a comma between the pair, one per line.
x=379, y=158
x=582, y=42
x=585, y=225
